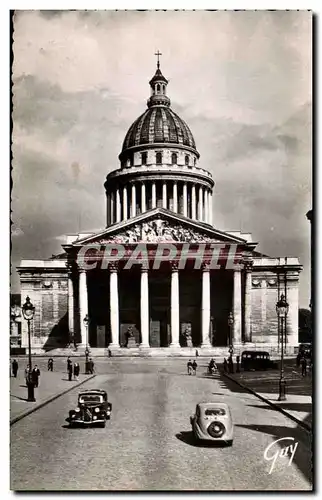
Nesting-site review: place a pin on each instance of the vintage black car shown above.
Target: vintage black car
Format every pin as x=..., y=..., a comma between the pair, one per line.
x=257, y=360
x=93, y=409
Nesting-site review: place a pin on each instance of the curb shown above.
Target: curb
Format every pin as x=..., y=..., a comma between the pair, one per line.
x=273, y=405
x=47, y=401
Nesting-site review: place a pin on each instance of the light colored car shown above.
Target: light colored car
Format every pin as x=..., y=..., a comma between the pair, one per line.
x=213, y=422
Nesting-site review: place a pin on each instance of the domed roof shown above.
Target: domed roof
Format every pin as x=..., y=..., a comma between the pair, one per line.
x=159, y=124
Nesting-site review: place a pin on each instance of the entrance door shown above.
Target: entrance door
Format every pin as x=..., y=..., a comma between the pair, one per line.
x=100, y=336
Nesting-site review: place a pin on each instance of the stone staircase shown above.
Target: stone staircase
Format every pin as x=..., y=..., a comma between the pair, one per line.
x=165, y=352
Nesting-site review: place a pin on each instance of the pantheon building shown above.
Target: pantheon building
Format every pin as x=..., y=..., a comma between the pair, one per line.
x=159, y=197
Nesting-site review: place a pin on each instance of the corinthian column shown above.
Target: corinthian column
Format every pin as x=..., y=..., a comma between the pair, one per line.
x=114, y=306
x=248, y=300
x=193, y=202
x=118, y=206
x=237, y=305
x=125, y=203
x=83, y=306
x=143, y=198
x=205, y=306
x=144, y=307
x=175, y=197
x=164, y=195
x=133, y=201
x=210, y=207
x=70, y=304
x=175, y=307
x=206, y=205
x=154, y=195
x=185, y=199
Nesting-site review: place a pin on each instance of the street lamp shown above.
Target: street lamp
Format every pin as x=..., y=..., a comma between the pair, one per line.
x=28, y=311
x=86, y=323
x=230, y=323
x=282, y=310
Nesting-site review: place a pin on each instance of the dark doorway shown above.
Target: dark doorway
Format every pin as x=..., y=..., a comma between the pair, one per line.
x=98, y=308
x=190, y=307
x=221, y=286
x=160, y=297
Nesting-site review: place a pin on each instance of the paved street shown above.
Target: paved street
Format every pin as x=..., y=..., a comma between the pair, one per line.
x=147, y=444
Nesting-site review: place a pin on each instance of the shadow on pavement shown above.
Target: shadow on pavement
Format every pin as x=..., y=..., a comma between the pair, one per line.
x=303, y=457
x=305, y=407
x=188, y=437
x=17, y=397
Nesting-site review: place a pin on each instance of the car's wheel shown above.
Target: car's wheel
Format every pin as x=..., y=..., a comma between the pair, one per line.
x=102, y=424
x=229, y=443
x=216, y=429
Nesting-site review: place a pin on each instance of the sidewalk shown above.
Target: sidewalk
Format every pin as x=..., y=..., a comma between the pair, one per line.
x=51, y=384
x=298, y=404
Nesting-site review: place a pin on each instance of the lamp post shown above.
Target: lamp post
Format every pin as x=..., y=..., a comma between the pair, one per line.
x=282, y=310
x=86, y=323
x=230, y=323
x=28, y=311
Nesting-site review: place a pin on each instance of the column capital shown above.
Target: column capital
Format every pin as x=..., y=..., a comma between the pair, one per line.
x=238, y=266
x=248, y=265
x=113, y=267
x=174, y=266
x=145, y=266
x=205, y=267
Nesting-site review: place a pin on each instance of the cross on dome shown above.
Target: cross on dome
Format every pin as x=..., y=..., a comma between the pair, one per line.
x=158, y=53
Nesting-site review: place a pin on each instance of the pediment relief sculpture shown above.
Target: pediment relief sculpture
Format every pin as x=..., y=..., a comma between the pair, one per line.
x=158, y=231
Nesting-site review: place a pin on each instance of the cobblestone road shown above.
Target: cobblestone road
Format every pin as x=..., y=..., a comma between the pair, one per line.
x=147, y=444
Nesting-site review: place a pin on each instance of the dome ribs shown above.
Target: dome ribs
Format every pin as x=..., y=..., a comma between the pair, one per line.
x=151, y=126
x=138, y=130
x=178, y=127
x=158, y=126
x=144, y=138
x=165, y=125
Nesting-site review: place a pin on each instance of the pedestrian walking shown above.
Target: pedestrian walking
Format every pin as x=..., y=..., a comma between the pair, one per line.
x=35, y=374
x=230, y=364
x=69, y=363
x=15, y=368
x=225, y=365
x=91, y=365
x=27, y=374
x=70, y=371
x=76, y=370
x=304, y=366
x=298, y=359
x=194, y=367
x=189, y=367
x=197, y=353
x=50, y=364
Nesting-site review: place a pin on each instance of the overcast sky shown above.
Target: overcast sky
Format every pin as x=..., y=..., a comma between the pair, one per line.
x=241, y=80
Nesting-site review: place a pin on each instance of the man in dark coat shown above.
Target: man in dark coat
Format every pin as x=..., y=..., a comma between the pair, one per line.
x=70, y=371
x=15, y=368
x=304, y=365
x=194, y=367
x=50, y=364
x=91, y=365
x=35, y=374
x=69, y=363
x=189, y=367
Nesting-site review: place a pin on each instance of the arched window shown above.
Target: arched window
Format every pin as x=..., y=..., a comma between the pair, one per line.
x=186, y=160
x=163, y=89
x=174, y=158
x=158, y=88
x=144, y=158
x=158, y=158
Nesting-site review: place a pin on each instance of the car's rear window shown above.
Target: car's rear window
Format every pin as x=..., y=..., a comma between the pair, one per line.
x=215, y=411
x=90, y=399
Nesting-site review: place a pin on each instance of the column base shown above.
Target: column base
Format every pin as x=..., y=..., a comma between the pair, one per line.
x=144, y=346
x=113, y=346
x=175, y=346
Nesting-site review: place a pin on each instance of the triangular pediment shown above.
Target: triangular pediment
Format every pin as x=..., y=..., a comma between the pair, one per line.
x=159, y=225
